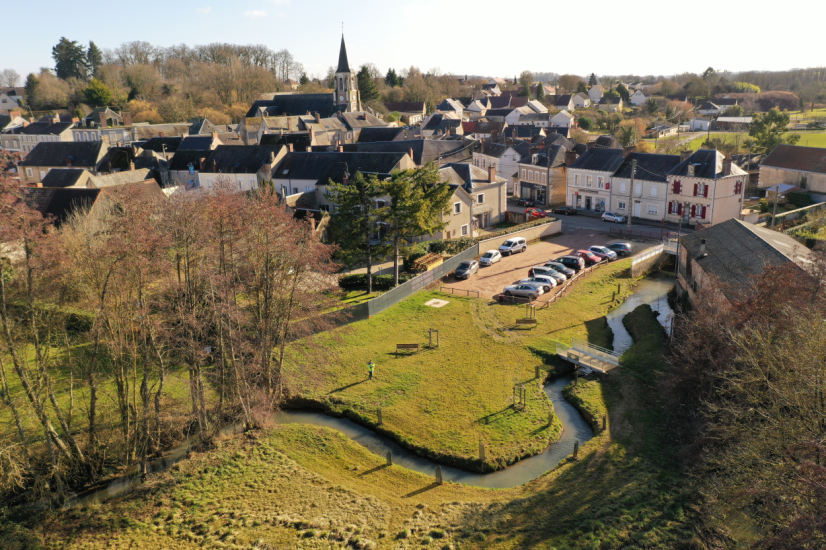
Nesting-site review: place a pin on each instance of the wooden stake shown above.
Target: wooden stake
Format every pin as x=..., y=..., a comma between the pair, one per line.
x=482, y=450
x=550, y=419
x=378, y=413
x=439, y=474
x=537, y=373
x=576, y=448
x=389, y=457
x=604, y=422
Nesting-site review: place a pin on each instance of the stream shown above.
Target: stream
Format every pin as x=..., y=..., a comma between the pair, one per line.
x=652, y=290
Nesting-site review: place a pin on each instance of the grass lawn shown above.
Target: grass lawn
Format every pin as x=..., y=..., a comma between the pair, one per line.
x=308, y=487
x=808, y=139
x=443, y=401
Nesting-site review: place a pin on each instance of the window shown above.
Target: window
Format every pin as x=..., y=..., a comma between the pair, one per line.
x=480, y=198
x=530, y=175
x=623, y=188
x=324, y=207
x=209, y=183
x=600, y=182
x=576, y=180
x=42, y=174
x=588, y=181
x=621, y=205
x=653, y=190
x=524, y=174
x=464, y=230
x=29, y=172
x=457, y=207
x=295, y=190
x=544, y=177
x=638, y=189
x=308, y=188
x=652, y=209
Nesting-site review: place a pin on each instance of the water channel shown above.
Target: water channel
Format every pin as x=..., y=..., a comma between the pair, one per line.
x=652, y=290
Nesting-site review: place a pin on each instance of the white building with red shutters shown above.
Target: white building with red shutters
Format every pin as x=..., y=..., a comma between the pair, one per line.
x=705, y=188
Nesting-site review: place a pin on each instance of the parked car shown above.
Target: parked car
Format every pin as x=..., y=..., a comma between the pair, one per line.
x=603, y=252
x=490, y=257
x=611, y=217
x=589, y=257
x=545, y=282
x=622, y=249
x=542, y=271
x=466, y=269
x=512, y=246
x=524, y=290
x=535, y=213
x=566, y=272
x=567, y=210
x=572, y=262
x=524, y=202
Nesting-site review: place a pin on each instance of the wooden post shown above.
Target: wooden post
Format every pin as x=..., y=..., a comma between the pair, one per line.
x=439, y=474
x=576, y=448
x=389, y=457
x=604, y=422
x=378, y=414
x=619, y=288
x=550, y=419
x=482, y=450
x=537, y=373
x=576, y=376
x=614, y=297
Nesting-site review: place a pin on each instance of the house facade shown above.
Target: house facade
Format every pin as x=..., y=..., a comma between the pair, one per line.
x=562, y=119
x=543, y=175
x=647, y=197
x=611, y=104
x=68, y=154
x=589, y=179
x=595, y=93
x=638, y=98
x=506, y=159
x=240, y=167
x=582, y=100
x=795, y=165
x=479, y=200
x=26, y=138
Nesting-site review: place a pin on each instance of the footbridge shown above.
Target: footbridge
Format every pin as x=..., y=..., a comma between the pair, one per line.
x=585, y=354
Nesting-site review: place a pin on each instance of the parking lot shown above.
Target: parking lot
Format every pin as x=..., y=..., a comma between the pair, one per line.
x=490, y=281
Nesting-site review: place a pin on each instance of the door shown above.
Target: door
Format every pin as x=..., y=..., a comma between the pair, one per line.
x=636, y=210
x=587, y=203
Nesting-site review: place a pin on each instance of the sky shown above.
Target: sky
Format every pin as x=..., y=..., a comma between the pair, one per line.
x=482, y=37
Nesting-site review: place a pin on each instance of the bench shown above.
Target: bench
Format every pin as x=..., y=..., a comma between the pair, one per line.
x=527, y=322
x=407, y=347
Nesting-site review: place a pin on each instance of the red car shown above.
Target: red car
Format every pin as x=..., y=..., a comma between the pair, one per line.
x=535, y=213
x=589, y=257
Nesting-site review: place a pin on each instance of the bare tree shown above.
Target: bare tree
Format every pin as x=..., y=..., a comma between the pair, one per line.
x=9, y=77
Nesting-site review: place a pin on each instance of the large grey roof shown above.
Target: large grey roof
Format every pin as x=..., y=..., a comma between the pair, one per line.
x=65, y=153
x=63, y=177
x=46, y=129
x=599, y=160
x=343, y=63
x=239, y=159
x=389, y=133
x=424, y=150
x=708, y=164
x=322, y=167
x=650, y=167
x=296, y=105
x=467, y=176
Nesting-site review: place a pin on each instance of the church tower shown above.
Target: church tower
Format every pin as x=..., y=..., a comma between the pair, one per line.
x=347, y=97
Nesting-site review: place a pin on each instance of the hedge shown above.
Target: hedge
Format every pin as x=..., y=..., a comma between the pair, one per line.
x=358, y=281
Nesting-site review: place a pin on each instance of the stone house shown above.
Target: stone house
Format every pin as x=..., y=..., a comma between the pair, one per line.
x=479, y=200
x=796, y=165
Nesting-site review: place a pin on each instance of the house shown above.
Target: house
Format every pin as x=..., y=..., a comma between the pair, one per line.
x=80, y=178
x=582, y=100
x=488, y=129
x=639, y=97
x=505, y=157
x=479, y=200
x=699, y=124
x=7, y=103
x=564, y=102
x=162, y=147
x=731, y=124
x=595, y=93
x=185, y=166
x=682, y=98
x=310, y=173
x=536, y=106
x=510, y=116
x=356, y=121
x=103, y=116
x=543, y=175
x=17, y=93
x=589, y=179
x=647, y=198
x=725, y=103
x=562, y=130
x=421, y=151
x=662, y=129
x=242, y=167
x=31, y=135
x=412, y=112
x=497, y=82
x=88, y=155
x=439, y=124
x=705, y=188
x=144, y=132
x=478, y=106
x=709, y=108
x=292, y=84
x=104, y=124
x=796, y=165
x=451, y=105
x=539, y=120
x=388, y=133
x=562, y=119
x=526, y=132
x=611, y=104
x=726, y=257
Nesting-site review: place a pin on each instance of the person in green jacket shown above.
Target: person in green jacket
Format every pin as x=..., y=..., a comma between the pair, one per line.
x=371, y=366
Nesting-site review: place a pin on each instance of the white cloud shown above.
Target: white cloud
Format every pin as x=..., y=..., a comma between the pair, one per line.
x=205, y=10
x=255, y=14
x=280, y=2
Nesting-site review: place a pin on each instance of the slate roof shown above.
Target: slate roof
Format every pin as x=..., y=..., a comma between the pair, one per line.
x=498, y=112
x=239, y=159
x=708, y=164
x=63, y=177
x=46, y=129
x=517, y=102
x=296, y=104
x=439, y=122
x=610, y=100
x=727, y=101
x=163, y=144
x=708, y=106
x=608, y=141
x=406, y=106
x=564, y=131
x=343, y=63
x=120, y=178
x=150, y=131
x=424, y=150
x=385, y=134
x=361, y=120
x=467, y=176
x=181, y=160
x=450, y=105
x=499, y=102
x=737, y=251
x=526, y=132
x=94, y=116
x=599, y=160
x=677, y=97
x=650, y=167
x=558, y=139
x=797, y=157
x=196, y=143
x=57, y=153
x=563, y=100
x=322, y=167
x=553, y=154
x=59, y=203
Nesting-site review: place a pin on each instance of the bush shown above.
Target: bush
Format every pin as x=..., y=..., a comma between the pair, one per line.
x=585, y=123
x=358, y=281
x=800, y=198
x=763, y=205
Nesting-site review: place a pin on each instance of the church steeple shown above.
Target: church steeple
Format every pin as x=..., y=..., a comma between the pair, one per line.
x=343, y=64
x=347, y=97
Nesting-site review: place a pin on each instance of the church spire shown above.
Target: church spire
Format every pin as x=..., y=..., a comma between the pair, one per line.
x=343, y=64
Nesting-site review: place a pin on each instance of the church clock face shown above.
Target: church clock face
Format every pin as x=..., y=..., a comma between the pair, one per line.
x=341, y=98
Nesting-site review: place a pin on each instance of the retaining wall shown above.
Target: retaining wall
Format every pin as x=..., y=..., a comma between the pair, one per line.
x=529, y=234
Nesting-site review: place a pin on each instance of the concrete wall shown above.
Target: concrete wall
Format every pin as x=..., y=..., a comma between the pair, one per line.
x=530, y=234
x=769, y=176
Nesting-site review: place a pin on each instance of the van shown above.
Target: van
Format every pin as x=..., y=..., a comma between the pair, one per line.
x=512, y=246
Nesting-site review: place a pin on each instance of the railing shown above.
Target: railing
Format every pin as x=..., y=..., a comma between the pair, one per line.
x=451, y=290
x=634, y=233
x=571, y=281
x=648, y=254
x=595, y=351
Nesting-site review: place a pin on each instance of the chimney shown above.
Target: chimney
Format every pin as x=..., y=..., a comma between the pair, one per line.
x=346, y=179
x=727, y=165
x=102, y=119
x=684, y=155
x=570, y=157
x=318, y=118
x=493, y=135
x=132, y=166
x=628, y=150
x=14, y=114
x=127, y=119
x=410, y=152
x=160, y=134
x=341, y=148
x=312, y=136
x=272, y=157
x=702, y=249
x=290, y=147
x=492, y=173
x=214, y=136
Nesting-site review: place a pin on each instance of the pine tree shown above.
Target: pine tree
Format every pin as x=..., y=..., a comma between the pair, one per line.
x=32, y=85
x=592, y=80
x=304, y=80
x=70, y=59
x=94, y=59
x=367, y=88
x=540, y=92
x=391, y=79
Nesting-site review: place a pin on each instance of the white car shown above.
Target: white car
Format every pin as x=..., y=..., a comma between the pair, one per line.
x=524, y=290
x=611, y=217
x=603, y=252
x=490, y=257
x=512, y=246
x=547, y=283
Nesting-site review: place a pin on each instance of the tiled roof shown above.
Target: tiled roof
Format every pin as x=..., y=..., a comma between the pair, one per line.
x=239, y=159
x=708, y=164
x=296, y=104
x=424, y=150
x=599, y=160
x=322, y=167
x=85, y=154
x=650, y=167
x=389, y=133
x=162, y=144
x=797, y=157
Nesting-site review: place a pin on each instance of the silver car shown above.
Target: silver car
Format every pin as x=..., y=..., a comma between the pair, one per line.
x=546, y=283
x=524, y=290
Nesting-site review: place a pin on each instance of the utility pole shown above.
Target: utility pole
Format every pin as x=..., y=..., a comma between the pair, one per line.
x=776, y=197
x=631, y=193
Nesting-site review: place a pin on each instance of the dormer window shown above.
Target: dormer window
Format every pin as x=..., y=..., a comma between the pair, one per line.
x=690, y=169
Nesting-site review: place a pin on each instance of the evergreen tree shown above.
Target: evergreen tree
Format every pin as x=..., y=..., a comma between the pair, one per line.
x=623, y=92
x=581, y=87
x=69, y=59
x=592, y=80
x=768, y=130
x=391, y=79
x=32, y=85
x=94, y=59
x=304, y=80
x=367, y=88
x=540, y=92
x=97, y=93
x=355, y=221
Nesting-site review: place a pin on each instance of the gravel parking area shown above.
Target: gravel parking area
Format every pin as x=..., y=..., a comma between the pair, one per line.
x=490, y=281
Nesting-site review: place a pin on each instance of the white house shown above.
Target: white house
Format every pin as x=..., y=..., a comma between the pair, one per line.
x=648, y=197
x=709, y=108
x=536, y=106
x=582, y=100
x=242, y=166
x=562, y=119
x=662, y=129
x=589, y=179
x=506, y=158
x=638, y=98
x=699, y=124
x=7, y=104
x=595, y=93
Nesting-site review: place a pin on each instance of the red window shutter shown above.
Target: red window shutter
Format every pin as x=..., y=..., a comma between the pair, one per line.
x=680, y=209
x=608, y=185
x=695, y=188
x=703, y=214
x=705, y=190
x=693, y=210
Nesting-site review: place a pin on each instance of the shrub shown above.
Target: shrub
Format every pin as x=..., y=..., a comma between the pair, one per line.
x=358, y=281
x=799, y=198
x=438, y=533
x=585, y=123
